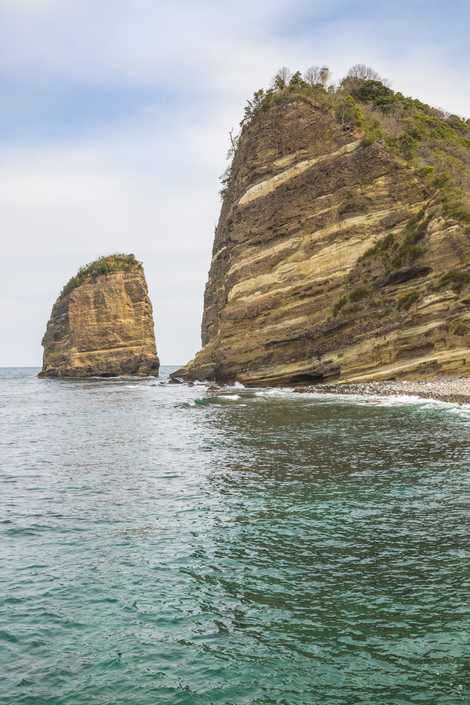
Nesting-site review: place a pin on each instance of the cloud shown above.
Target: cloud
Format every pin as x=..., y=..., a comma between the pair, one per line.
x=114, y=124
x=67, y=204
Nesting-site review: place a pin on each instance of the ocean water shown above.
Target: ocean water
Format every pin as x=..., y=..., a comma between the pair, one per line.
x=161, y=545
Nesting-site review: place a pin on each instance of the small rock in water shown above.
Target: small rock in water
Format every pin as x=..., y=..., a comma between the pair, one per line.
x=175, y=380
x=214, y=388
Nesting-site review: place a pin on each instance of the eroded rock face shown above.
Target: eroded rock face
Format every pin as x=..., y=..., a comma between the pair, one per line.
x=103, y=327
x=329, y=262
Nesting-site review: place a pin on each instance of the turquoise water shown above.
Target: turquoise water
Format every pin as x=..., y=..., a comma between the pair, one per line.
x=161, y=546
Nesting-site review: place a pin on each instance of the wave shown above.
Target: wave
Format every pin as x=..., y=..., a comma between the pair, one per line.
x=382, y=400
x=280, y=392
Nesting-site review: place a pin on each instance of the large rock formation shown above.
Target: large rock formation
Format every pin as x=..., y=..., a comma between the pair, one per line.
x=102, y=323
x=342, y=250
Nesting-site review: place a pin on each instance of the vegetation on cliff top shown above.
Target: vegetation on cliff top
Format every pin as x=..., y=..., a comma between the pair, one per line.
x=435, y=143
x=118, y=262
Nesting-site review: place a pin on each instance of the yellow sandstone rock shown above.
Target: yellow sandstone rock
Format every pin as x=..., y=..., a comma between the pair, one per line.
x=316, y=273
x=102, y=323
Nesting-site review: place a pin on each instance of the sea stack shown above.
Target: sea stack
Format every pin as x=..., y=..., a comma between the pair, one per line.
x=342, y=251
x=102, y=323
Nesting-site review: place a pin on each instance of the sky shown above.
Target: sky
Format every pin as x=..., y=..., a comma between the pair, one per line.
x=115, y=120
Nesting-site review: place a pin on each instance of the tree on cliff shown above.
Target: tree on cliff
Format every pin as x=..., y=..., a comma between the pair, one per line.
x=317, y=76
x=297, y=81
x=282, y=78
x=361, y=72
x=253, y=105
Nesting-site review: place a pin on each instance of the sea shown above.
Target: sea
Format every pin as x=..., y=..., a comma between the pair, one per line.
x=165, y=544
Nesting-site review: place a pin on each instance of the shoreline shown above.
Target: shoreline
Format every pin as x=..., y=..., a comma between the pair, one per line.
x=454, y=390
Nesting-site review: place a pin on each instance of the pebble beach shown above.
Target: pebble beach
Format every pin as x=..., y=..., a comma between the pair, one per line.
x=448, y=389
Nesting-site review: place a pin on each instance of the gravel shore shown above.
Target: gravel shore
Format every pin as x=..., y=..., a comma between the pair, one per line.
x=449, y=389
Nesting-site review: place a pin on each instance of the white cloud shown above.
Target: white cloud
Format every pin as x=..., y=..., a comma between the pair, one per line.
x=70, y=204
x=148, y=184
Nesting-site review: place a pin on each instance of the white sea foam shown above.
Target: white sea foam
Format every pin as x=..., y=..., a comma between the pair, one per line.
x=462, y=410
x=277, y=392
x=395, y=400
x=386, y=400
x=392, y=400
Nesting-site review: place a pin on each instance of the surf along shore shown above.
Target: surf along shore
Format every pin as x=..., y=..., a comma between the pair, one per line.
x=448, y=389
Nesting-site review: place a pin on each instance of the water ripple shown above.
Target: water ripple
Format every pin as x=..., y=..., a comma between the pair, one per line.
x=160, y=544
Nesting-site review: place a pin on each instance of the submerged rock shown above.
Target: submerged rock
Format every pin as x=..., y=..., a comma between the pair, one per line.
x=102, y=323
x=335, y=257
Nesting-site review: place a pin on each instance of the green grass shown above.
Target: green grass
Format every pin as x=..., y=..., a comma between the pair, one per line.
x=455, y=280
x=394, y=254
x=381, y=248
x=409, y=250
x=406, y=256
x=348, y=301
x=437, y=145
x=406, y=301
x=358, y=294
x=339, y=305
x=102, y=266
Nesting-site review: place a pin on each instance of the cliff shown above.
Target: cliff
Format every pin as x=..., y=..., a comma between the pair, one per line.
x=102, y=323
x=342, y=249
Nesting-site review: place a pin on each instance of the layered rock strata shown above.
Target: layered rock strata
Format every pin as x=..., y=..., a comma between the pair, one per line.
x=102, y=324
x=332, y=261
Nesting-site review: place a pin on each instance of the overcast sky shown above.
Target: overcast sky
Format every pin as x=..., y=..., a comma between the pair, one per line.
x=114, y=122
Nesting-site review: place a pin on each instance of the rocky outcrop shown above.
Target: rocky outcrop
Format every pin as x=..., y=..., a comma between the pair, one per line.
x=333, y=260
x=102, y=323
